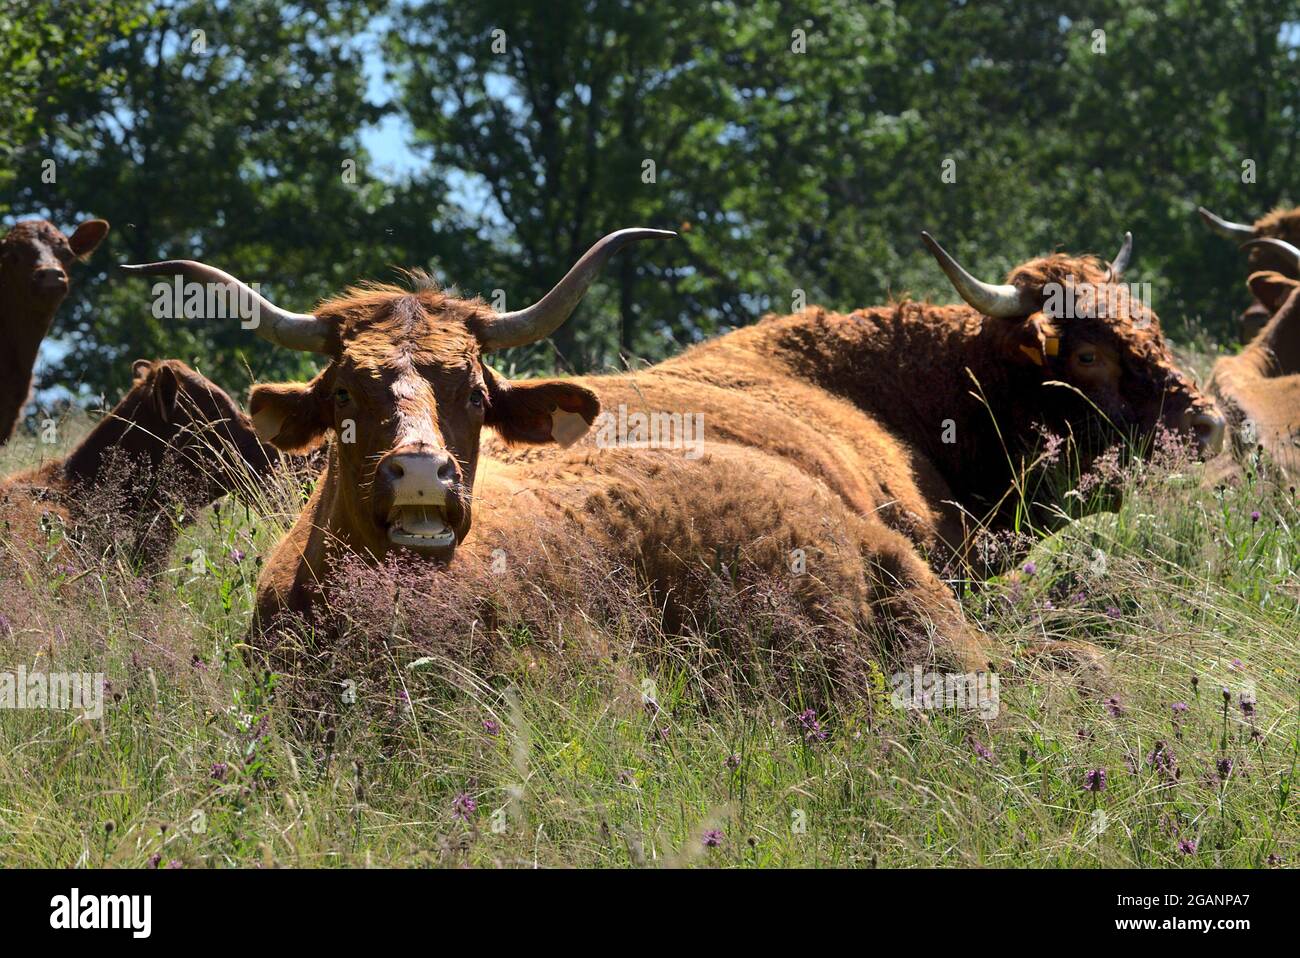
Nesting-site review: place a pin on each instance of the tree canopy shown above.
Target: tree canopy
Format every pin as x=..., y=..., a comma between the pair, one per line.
x=798, y=147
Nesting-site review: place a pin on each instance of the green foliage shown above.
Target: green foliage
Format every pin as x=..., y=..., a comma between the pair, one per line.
x=799, y=150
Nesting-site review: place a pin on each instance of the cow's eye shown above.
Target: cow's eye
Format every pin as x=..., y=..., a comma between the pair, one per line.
x=1086, y=357
x=342, y=397
x=476, y=397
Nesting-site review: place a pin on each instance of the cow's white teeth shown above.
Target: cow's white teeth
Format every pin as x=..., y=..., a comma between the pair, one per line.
x=417, y=526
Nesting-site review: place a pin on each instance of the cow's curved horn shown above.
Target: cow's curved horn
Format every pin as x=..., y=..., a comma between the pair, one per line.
x=1120, y=263
x=1003, y=302
x=1233, y=231
x=301, y=331
x=538, y=321
x=1278, y=244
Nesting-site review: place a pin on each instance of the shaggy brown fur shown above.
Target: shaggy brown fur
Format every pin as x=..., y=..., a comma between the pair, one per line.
x=866, y=401
x=680, y=528
x=34, y=261
x=1259, y=388
x=175, y=439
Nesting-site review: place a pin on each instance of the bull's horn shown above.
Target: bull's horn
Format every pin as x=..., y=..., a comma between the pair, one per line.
x=1278, y=244
x=1233, y=231
x=301, y=331
x=1003, y=301
x=538, y=321
x=1120, y=263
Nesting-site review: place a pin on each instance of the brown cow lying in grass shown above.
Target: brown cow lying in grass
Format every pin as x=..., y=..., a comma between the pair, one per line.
x=406, y=384
x=1282, y=224
x=924, y=415
x=34, y=261
x=175, y=442
x=1259, y=388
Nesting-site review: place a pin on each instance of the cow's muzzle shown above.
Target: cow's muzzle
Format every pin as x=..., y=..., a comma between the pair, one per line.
x=420, y=493
x=1207, y=427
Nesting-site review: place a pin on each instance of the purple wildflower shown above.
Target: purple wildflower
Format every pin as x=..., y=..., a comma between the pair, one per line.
x=1187, y=846
x=1112, y=612
x=236, y=556
x=463, y=806
x=713, y=838
x=980, y=749
x=1162, y=760
x=1254, y=515
x=733, y=761
x=813, y=730
x=1179, y=707
x=1030, y=567
x=492, y=727
x=219, y=770
x=1095, y=780
x=155, y=859
x=1114, y=706
x=1224, y=768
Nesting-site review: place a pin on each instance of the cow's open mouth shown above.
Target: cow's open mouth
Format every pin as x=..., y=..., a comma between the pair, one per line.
x=423, y=528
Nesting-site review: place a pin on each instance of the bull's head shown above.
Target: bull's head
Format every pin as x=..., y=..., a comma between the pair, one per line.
x=35, y=258
x=406, y=393
x=1281, y=224
x=1068, y=319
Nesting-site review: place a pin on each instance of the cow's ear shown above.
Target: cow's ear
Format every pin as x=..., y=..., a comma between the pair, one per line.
x=548, y=410
x=140, y=370
x=293, y=417
x=165, y=389
x=1271, y=288
x=1032, y=341
x=87, y=236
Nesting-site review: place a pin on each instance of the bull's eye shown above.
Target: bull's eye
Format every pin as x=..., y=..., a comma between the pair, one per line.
x=476, y=397
x=342, y=397
x=1086, y=357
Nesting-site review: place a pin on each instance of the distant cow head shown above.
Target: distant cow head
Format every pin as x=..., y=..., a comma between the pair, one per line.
x=173, y=414
x=406, y=393
x=1282, y=224
x=34, y=262
x=1069, y=319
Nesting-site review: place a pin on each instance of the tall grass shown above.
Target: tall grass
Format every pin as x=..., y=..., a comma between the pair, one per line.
x=581, y=752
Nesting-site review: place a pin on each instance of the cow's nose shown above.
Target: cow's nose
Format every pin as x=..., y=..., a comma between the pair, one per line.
x=50, y=277
x=420, y=478
x=1208, y=427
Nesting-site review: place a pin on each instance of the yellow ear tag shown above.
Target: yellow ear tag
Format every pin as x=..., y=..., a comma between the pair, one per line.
x=1053, y=346
x=1032, y=353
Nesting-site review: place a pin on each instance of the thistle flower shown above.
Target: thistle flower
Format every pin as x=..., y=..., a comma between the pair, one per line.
x=980, y=749
x=713, y=838
x=219, y=770
x=1187, y=846
x=1114, y=706
x=733, y=761
x=1030, y=568
x=1095, y=780
x=492, y=727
